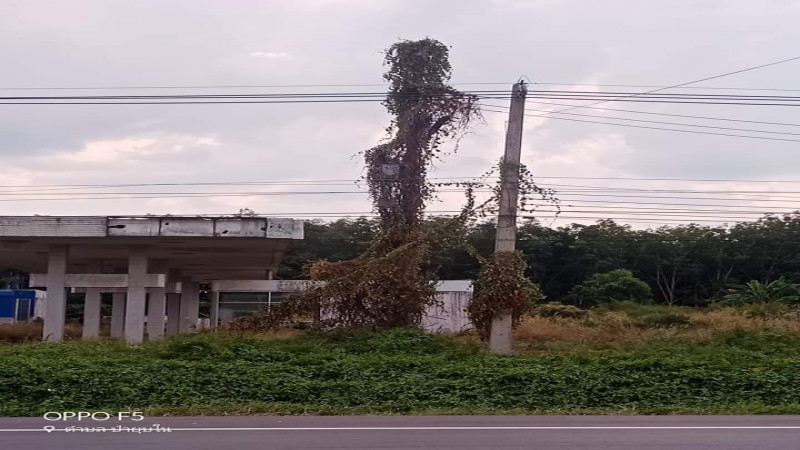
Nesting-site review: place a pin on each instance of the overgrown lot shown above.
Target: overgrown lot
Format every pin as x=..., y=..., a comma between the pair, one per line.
x=621, y=359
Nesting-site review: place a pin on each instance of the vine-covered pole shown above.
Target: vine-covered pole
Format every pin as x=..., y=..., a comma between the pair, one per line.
x=500, y=337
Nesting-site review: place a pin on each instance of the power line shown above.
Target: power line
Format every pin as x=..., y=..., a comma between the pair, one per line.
x=665, y=87
x=640, y=219
x=756, y=210
x=595, y=191
x=750, y=130
x=622, y=202
x=319, y=85
x=611, y=192
x=672, y=197
x=344, y=97
x=351, y=181
x=223, y=102
x=379, y=95
x=692, y=82
x=674, y=191
x=668, y=214
x=562, y=198
x=384, y=94
x=653, y=128
x=675, y=100
x=724, y=119
x=704, y=180
x=671, y=95
x=592, y=190
x=211, y=86
x=688, y=196
x=357, y=100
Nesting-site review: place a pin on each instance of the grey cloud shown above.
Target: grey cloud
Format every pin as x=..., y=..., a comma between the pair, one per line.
x=107, y=43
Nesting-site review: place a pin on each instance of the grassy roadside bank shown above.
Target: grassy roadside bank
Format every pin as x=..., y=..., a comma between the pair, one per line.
x=613, y=362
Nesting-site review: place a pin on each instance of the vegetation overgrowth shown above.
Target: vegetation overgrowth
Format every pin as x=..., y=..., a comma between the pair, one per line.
x=387, y=284
x=619, y=358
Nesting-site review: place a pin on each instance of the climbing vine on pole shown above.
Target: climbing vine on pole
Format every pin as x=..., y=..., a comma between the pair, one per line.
x=389, y=285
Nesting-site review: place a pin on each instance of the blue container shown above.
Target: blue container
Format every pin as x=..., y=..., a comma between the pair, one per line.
x=17, y=304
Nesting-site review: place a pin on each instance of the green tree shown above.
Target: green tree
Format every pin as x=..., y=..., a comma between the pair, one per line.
x=617, y=285
x=775, y=291
x=339, y=240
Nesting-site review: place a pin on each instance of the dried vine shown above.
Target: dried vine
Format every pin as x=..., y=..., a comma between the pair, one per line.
x=502, y=287
x=389, y=284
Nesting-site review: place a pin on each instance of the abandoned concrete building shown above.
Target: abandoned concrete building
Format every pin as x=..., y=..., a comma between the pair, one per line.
x=153, y=267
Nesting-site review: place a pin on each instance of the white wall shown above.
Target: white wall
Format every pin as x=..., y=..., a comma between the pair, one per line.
x=449, y=315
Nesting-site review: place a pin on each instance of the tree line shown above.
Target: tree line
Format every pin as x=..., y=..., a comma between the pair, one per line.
x=683, y=265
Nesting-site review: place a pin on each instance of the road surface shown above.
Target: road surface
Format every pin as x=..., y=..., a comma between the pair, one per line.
x=412, y=432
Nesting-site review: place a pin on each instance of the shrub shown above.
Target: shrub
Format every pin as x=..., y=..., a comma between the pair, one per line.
x=32, y=331
x=556, y=309
x=777, y=291
x=617, y=285
x=19, y=332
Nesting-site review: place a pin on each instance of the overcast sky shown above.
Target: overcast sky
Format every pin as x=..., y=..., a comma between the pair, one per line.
x=194, y=43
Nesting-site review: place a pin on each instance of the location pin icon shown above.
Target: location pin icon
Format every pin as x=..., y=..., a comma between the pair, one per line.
x=49, y=428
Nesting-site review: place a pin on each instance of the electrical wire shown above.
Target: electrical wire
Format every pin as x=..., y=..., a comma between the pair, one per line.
x=383, y=95
x=282, y=86
x=747, y=69
x=341, y=180
x=749, y=130
x=657, y=86
x=348, y=97
x=724, y=119
x=652, y=128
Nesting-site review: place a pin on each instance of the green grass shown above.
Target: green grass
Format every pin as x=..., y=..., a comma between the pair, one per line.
x=401, y=372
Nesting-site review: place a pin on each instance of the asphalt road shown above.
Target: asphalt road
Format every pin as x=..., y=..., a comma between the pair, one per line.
x=415, y=432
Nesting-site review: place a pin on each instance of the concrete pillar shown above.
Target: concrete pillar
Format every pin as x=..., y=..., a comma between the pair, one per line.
x=190, y=305
x=56, y=303
x=214, y=309
x=173, y=302
x=91, y=314
x=117, y=314
x=137, y=295
x=157, y=301
x=173, y=313
x=155, y=313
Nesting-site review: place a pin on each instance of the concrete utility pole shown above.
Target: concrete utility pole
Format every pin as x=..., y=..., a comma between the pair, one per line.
x=500, y=333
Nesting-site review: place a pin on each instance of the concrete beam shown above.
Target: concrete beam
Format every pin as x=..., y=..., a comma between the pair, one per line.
x=40, y=226
x=83, y=290
x=100, y=280
x=300, y=285
x=56, y=306
x=227, y=227
x=260, y=285
x=102, y=226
